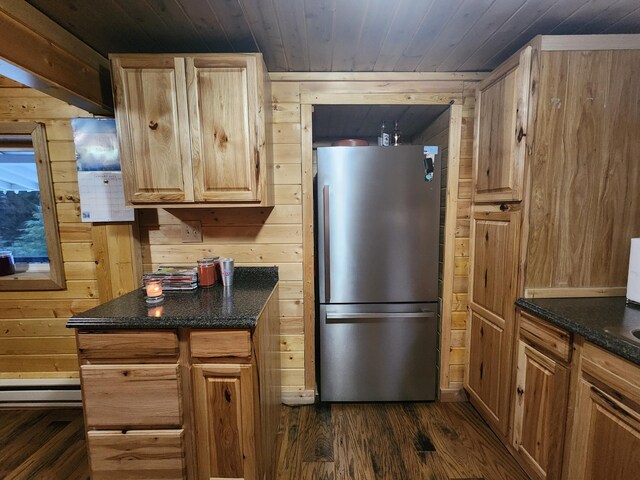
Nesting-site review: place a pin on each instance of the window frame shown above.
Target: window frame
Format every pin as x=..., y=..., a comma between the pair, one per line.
x=54, y=279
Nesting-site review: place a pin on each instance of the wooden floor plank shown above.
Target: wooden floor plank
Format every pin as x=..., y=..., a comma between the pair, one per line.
x=417, y=453
x=26, y=441
x=381, y=441
x=45, y=462
x=416, y=441
x=385, y=447
x=350, y=440
x=289, y=461
x=43, y=444
x=318, y=471
x=468, y=447
x=318, y=446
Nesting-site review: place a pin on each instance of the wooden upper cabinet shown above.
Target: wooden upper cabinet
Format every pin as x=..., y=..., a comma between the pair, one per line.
x=501, y=128
x=226, y=136
x=150, y=99
x=192, y=129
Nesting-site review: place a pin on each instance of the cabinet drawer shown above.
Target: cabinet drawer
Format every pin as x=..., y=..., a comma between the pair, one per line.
x=549, y=338
x=220, y=343
x=142, y=454
x=127, y=396
x=131, y=344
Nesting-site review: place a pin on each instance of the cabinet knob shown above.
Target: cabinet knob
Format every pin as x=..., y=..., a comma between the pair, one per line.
x=504, y=207
x=521, y=134
x=520, y=391
x=153, y=125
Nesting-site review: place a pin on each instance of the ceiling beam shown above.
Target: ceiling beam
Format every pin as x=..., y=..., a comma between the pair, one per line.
x=37, y=52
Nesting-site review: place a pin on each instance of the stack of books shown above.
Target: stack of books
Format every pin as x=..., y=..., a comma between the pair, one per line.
x=174, y=278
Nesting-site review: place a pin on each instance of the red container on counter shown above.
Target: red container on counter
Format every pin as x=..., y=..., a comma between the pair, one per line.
x=206, y=273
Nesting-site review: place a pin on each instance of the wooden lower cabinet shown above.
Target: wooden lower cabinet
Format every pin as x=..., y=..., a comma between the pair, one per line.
x=224, y=399
x=494, y=247
x=138, y=454
x=540, y=406
x=182, y=403
x=605, y=438
x=487, y=379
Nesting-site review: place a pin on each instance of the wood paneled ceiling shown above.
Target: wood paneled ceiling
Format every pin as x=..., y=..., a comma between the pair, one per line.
x=339, y=35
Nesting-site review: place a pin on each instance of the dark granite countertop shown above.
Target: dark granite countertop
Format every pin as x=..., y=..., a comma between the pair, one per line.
x=217, y=307
x=599, y=320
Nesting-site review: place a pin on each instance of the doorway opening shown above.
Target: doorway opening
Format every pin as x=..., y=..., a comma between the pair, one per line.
x=361, y=124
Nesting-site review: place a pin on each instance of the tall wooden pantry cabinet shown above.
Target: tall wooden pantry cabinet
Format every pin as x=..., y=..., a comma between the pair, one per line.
x=555, y=200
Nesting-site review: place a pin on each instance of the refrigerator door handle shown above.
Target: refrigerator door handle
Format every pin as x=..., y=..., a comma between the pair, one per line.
x=327, y=244
x=354, y=317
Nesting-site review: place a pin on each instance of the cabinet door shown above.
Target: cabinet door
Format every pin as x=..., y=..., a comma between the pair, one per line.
x=153, y=128
x=501, y=128
x=540, y=411
x=487, y=375
x=136, y=454
x=494, y=253
x=226, y=124
x=494, y=247
x=224, y=421
x=606, y=437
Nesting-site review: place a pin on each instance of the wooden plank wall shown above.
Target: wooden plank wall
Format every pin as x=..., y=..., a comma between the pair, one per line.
x=34, y=341
x=100, y=260
x=251, y=236
x=460, y=297
x=454, y=303
x=284, y=236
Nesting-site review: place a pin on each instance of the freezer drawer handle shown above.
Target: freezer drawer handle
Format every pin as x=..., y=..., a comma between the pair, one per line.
x=327, y=245
x=337, y=317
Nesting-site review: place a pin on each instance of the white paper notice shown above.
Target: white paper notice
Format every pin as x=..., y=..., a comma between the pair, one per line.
x=102, y=197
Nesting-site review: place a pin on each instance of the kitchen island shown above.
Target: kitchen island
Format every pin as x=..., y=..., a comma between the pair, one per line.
x=186, y=389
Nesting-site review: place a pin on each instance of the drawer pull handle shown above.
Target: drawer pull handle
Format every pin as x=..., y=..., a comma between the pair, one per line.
x=153, y=125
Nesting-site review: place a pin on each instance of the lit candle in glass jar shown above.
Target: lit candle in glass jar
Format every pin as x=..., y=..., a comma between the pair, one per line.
x=153, y=288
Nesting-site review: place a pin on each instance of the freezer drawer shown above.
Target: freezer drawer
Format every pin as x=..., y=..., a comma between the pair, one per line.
x=378, y=352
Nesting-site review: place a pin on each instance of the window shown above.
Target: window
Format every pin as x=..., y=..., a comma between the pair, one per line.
x=28, y=223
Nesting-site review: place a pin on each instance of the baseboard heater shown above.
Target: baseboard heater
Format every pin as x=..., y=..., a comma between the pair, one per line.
x=40, y=392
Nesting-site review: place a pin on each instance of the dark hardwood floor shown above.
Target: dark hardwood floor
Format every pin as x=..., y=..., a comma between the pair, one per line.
x=45, y=444
x=400, y=441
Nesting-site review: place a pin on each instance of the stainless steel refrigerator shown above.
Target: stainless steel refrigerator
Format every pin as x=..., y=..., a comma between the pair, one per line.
x=378, y=218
